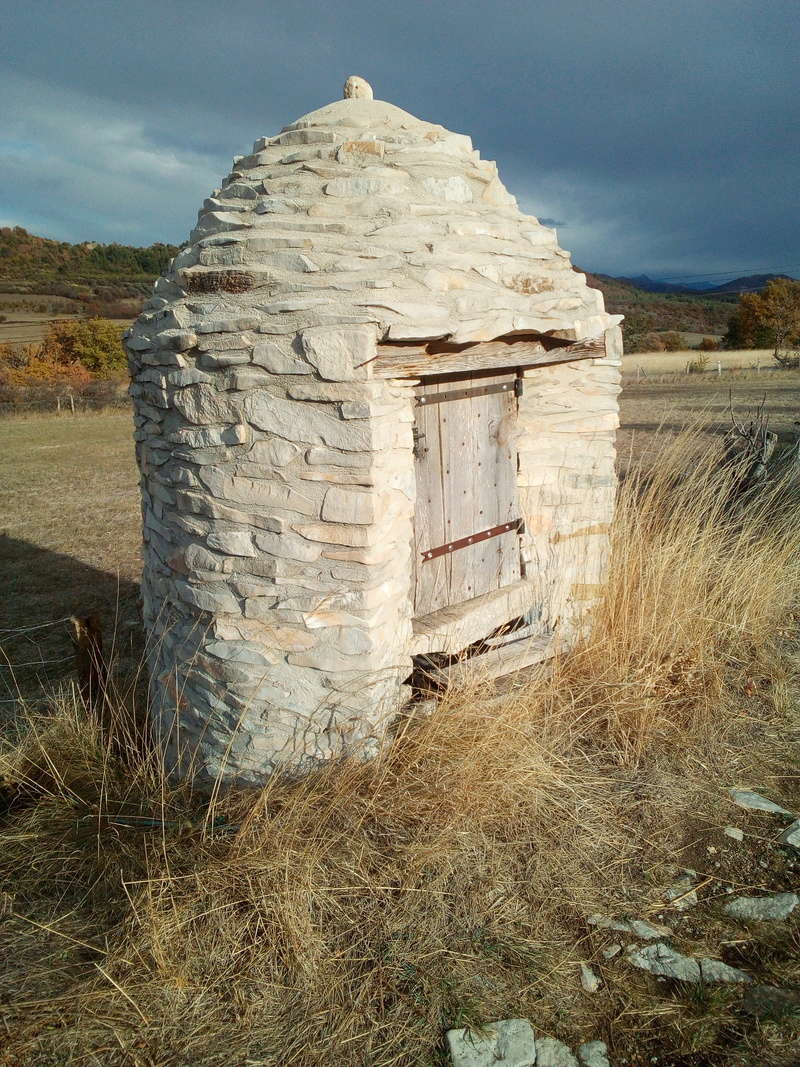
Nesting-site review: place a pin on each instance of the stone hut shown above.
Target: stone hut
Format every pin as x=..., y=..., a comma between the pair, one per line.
x=375, y=414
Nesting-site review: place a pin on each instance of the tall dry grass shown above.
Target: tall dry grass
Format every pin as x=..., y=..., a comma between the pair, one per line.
x=353, y=916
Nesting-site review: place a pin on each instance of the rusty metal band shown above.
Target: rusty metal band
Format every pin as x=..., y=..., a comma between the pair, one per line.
x=513, y=386
x=515, y=525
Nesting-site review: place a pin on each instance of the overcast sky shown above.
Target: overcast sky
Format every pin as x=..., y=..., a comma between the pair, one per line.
x=662, y=136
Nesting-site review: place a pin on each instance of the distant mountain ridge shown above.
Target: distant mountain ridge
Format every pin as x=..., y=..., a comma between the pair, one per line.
x=749, y=283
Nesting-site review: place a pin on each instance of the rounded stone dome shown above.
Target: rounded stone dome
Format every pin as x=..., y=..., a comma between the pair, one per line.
x=359, y=212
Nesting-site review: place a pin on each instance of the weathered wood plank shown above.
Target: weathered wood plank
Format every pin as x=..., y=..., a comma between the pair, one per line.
x=466, y=446
x=432, y=581
x=415, y=361
x=496, y=663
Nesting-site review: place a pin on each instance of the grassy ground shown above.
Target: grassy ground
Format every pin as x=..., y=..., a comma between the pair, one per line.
x=655, y=412
x=353, y=917
x=69, y=539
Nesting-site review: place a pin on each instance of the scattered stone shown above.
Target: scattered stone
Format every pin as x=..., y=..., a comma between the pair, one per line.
x=734, y=832
x=777, y=906
x=507, y=1043
x=594, y=1054
x=745, y=798
x=638, y=927
x=612, y=951
x=715, y=971
x=662, y=960
x=683, y=895
x=553, y=1053
x=589, y=980
x=791, y=835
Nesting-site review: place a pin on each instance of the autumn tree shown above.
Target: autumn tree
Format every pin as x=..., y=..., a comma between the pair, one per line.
x=781, y=311
x=769, y=319
x=94, y=344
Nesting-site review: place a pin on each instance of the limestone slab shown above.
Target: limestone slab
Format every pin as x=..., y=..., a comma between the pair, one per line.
x=508, y=1043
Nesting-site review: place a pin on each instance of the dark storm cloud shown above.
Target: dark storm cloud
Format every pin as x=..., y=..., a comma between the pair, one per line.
x=664, y=134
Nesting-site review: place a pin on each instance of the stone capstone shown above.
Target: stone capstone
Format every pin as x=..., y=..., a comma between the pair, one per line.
x=661, y=960
x=664, y=961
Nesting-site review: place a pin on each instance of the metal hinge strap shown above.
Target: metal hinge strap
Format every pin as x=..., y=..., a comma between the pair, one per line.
x=515, y=525
x=513, y=386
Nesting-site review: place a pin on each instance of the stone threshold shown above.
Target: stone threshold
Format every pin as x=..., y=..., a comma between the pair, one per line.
x=456, y=626
x=497, y=662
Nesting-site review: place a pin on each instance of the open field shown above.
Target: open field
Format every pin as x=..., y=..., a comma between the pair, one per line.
x=652, y=363
x=69, y=535
x=29, y=327
x=347, y=921
x=653, y=413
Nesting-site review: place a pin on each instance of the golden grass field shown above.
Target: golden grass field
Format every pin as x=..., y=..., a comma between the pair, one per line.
x=351, y=918
x=658, y=363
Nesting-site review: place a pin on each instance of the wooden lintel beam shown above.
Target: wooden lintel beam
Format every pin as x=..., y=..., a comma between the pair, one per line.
x=404, y=361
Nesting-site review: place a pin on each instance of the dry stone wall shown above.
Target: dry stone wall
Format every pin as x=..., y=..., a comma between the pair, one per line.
x=568, y=419
x=277, y=474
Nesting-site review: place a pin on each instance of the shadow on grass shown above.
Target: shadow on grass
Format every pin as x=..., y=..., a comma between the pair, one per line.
x=40, y=590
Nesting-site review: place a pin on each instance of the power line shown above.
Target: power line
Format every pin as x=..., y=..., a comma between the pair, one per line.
x=722, y=273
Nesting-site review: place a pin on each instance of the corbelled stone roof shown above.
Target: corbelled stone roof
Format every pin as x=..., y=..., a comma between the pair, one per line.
x=361, y=213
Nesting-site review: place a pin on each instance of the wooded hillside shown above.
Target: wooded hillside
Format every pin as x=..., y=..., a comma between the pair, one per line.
x=31, y=264
x=647, y=312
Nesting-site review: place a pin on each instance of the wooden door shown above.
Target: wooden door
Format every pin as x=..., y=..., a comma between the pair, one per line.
x=466, y=464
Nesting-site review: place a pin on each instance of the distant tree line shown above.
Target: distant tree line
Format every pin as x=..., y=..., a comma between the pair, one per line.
x=25, y=256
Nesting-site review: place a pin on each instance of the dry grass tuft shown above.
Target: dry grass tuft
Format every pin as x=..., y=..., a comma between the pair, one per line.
x=353, y=916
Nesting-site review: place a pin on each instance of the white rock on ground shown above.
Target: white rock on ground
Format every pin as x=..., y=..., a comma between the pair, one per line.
x=776, y=906
x=734, y=832
x=791, y=835
x=507, y=1043
x=745, y=798
x=553, y=1053
x=660, y=959
x=612, y=951
x=682, y=895
x=717, y=972
x=594, y=1054
x=589, y=980
x=638, y=927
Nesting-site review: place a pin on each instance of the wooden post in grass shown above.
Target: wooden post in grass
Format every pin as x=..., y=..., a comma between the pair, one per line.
x=87, y=638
